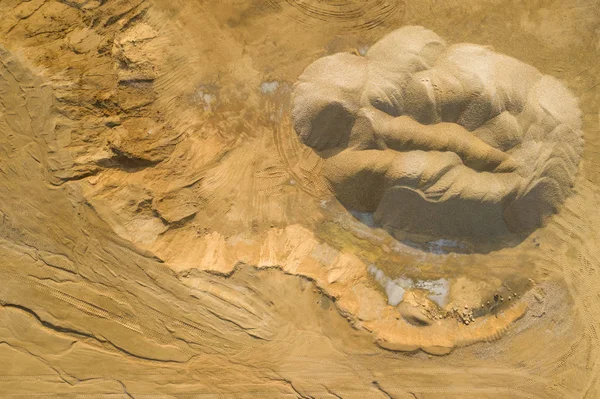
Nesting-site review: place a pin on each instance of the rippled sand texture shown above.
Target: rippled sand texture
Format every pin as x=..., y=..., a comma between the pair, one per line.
x=164, y=231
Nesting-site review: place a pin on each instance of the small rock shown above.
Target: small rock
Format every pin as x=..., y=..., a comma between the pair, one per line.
x=538, y=297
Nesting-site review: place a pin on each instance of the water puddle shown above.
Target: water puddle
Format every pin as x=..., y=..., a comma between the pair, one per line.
x=395, y=289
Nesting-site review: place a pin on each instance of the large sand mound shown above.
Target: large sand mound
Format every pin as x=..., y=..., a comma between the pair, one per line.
x=437, y=139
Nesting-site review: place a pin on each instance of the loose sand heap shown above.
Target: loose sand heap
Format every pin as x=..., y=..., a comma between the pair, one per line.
x=442, y=140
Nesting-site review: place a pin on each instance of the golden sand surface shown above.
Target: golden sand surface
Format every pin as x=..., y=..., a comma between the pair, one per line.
x=169, y=228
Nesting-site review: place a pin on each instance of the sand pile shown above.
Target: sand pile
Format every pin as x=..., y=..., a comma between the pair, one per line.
x=442, y=140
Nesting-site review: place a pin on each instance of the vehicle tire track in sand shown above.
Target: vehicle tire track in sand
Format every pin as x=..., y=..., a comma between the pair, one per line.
x=350, y=15
x=579, y=266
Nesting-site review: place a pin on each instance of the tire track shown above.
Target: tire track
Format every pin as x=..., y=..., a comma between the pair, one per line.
x=347, y=15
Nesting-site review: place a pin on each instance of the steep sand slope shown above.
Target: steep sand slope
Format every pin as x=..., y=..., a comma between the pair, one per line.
x=447, y=140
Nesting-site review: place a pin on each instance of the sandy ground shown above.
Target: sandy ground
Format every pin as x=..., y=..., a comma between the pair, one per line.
x=165, y=234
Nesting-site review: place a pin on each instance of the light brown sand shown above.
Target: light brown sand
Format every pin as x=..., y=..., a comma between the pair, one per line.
x=164, y=231
x=444, y=140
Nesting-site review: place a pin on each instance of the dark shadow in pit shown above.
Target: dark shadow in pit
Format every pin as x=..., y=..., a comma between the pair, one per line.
x=446, y=244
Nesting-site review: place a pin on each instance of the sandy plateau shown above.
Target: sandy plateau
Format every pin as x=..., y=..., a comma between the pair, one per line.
x=300, y=198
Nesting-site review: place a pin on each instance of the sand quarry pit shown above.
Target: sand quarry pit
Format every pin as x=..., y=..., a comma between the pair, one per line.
x=386, y=199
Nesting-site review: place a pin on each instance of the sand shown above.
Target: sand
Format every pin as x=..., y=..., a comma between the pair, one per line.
x=166, y=232
x=444, y=140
